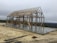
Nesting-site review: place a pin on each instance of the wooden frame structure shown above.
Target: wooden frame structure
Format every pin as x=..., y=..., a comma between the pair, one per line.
x=27, y=19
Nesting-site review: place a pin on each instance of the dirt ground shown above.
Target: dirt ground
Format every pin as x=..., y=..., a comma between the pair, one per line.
x=15, y=35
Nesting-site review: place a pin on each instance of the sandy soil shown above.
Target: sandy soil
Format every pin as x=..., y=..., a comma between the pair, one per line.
x=15, y=35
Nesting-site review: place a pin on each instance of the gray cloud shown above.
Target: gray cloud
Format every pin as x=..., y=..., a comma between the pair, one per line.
x=49, y=7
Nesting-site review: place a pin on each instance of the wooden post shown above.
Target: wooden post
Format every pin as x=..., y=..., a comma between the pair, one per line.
x=23, y=21
x=36, y=22
x=19, y=21
x=31, y=21
x=7, y=21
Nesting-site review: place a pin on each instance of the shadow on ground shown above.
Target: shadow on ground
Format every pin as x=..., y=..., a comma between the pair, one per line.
x=13, y=40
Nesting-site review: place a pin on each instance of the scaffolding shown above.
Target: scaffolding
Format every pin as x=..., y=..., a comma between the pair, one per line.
x=28, y=19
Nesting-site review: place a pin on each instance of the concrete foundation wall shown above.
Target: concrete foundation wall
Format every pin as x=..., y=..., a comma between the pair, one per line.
x=36, y=29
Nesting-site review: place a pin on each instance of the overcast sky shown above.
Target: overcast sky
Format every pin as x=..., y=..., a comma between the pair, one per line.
x=49, y=7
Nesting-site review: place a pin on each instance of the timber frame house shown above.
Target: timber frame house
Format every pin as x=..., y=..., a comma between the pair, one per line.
x=27, y=19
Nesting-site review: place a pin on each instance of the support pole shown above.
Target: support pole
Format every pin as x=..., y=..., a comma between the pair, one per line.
x=23, y=21
x=36, y=23
x=7, y=21
x=31, y=22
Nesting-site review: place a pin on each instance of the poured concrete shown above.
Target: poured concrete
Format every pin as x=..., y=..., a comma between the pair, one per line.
x=36, y=29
